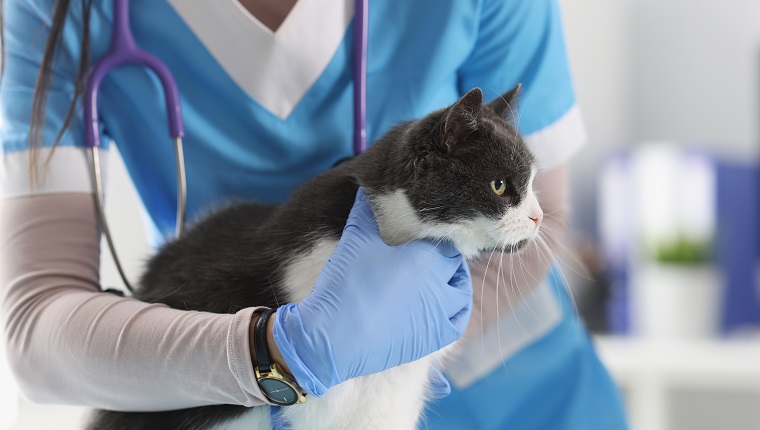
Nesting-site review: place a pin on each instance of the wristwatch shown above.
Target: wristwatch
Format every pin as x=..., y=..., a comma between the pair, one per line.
x=278, y=387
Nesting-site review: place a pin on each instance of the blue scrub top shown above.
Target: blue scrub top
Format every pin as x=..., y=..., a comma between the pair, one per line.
x=556, y=383
x=254, y=132
x=423, y=55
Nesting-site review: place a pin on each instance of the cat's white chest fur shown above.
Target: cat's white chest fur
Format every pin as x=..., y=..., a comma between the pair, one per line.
x=302, y=273
x=392, y=399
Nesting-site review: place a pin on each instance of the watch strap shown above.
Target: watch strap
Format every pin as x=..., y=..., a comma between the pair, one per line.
x=260, y=341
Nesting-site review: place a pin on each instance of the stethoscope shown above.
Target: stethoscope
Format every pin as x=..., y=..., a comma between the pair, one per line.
x=124, y=50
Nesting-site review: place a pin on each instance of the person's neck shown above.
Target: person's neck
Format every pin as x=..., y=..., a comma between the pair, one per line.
x=271, y=13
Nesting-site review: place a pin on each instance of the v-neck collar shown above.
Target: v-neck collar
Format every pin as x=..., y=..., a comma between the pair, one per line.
x=257, y=20
x=274, y=68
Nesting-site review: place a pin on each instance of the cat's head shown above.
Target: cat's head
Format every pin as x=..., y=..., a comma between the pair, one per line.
x=463, y=173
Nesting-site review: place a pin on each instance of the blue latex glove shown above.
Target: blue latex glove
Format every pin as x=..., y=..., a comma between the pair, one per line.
x=439, y=385
x=373, y=307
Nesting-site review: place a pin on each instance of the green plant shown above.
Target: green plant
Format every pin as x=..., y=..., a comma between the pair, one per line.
x=684, y=250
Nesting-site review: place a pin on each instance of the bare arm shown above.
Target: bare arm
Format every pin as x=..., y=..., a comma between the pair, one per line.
x=69, y=343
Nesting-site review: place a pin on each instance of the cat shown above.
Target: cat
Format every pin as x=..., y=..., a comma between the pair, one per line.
x=462, y=173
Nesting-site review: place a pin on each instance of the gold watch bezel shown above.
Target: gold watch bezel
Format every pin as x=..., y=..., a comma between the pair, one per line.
x=277, y=374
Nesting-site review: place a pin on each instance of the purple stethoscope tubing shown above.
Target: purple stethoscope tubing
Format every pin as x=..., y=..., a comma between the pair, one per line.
x=123, y=50
x=361, y=16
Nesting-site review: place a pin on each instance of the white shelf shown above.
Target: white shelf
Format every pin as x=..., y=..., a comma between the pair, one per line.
x=705, y=363
x=650, y=370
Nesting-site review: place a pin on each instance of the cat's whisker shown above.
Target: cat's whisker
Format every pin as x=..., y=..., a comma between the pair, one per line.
x=446, y=236
x=482, y=291
x=515, y=133
x=577, y=267
x=544, y=251
x=515, y=118
x=429, y=209
x=563, y=279
x=523, y=105
x=274, y=293
x=499, y=318
x=531, y=249
x=516, y=290
x=524, y=301
x=157, y=299
x=512, y=281
x=513, y=306
x=555, y=216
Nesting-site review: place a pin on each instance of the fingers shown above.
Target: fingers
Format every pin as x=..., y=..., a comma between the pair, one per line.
x=446, y=261
x=460, y=298
x=446, y=249
x=443, y=252
x=460, y=320
x=457, y=324
x=439, y=385
x=462, y=279
x=363, y=217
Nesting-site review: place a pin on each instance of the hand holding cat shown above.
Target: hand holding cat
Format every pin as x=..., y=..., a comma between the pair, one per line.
x=374, y=307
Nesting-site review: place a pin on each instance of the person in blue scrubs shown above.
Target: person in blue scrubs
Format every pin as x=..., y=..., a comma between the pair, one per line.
x=554, y=382
x=267, y=107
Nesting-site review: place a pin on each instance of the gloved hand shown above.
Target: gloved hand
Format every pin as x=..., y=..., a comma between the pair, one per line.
x=373, y=307
x=439, y=385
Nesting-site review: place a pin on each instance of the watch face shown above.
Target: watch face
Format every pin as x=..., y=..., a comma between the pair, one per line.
x=278, y=391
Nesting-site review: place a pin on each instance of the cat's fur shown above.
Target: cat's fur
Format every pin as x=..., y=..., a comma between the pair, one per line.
x=429, y=178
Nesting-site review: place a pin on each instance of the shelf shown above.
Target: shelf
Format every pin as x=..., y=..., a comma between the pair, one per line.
x=650, y=372
x=683, y=363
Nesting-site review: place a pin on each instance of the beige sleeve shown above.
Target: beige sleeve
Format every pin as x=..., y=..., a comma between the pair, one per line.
x=69, y=343
x=502, y=282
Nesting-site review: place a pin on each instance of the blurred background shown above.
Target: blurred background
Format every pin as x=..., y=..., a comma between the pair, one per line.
x=666, y=222
x=666, y=199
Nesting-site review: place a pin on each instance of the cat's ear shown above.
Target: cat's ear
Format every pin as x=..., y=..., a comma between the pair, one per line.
x=462, y=118
x=506, y=104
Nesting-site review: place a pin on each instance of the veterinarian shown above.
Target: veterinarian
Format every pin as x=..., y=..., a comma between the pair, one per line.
x=266, y=98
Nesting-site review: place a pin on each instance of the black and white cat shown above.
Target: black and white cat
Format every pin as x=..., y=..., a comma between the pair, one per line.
x=462, y=174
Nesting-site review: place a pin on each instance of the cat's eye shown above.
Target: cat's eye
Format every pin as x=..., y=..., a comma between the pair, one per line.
x=499, y=186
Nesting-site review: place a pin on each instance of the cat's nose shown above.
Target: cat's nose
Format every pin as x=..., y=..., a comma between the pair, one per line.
x=537, y=217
